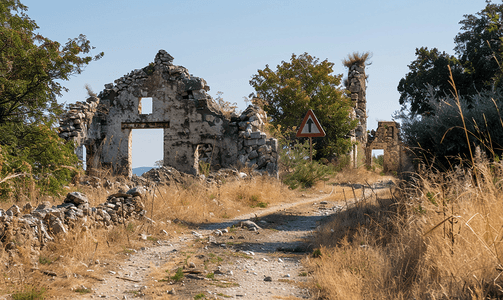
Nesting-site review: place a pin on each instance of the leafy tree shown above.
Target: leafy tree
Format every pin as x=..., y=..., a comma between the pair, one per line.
x=475, y=68
x=429, y=68
x=31, y=70
x=32, y=66
x=38, y=158
x=304, y=83
x=479, y=47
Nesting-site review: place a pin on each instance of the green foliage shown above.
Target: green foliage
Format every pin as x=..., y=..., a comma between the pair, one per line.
x=44, y=260
x=379, y=160
x=39, y=159
x=204, y=168
x=29, y=294
x=83, y=291
x=429, y=68
x=32, y=67
x=439, y=138
x=300, y=171
x=475, y=67
x=199, y=296
x=304, y=83
x=178, y=275
x=316, y=253
x=130, y=227
x=306, y=175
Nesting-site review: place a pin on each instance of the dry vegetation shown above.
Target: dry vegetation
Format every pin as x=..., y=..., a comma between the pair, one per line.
x=439, y=238
x=360, y=59
x=174, y=209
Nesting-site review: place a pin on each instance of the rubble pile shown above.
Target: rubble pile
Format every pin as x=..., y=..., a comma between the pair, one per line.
x=164, y=175
x=42, y=223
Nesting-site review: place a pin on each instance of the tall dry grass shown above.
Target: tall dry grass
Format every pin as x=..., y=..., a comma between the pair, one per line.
x=436, y=238
x=199, y=204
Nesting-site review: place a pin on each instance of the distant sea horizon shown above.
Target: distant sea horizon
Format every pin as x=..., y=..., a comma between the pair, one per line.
x=140, y=170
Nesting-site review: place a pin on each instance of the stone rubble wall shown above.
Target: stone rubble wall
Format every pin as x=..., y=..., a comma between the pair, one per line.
x=195, y=129
x=42, y=223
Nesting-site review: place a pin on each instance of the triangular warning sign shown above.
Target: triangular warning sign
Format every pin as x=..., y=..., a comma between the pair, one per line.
x=310, y=126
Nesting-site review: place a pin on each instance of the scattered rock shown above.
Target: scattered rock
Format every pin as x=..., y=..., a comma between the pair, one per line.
x=249, y=224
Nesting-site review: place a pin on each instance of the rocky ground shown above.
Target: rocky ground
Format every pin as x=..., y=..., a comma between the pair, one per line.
x=254, y=256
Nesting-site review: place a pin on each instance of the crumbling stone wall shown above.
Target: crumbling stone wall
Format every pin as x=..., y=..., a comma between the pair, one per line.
x=39, y=225
x=387, y=137
x=356, y=85
x=195, y=129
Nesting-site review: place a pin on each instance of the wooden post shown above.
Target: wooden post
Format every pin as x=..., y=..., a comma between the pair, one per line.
x=311, y=149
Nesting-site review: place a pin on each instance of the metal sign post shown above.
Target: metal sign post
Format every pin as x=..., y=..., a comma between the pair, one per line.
x=310, y=127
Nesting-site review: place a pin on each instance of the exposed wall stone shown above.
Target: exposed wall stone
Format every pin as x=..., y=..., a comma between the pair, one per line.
x=195, y=130
x=358, y=89
x=39, y=225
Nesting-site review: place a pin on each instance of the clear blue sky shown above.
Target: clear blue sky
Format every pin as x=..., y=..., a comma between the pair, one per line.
x=226, y=42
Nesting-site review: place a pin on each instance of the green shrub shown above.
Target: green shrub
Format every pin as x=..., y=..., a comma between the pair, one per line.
x=307, y=174
x=29, y=294
x=199, y=296
x=300, y=171
x=38, y=158
x=379, y=160
x=439, y=137
x=178, y=275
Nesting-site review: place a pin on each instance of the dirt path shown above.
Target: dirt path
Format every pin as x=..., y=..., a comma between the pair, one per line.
x=253, y=256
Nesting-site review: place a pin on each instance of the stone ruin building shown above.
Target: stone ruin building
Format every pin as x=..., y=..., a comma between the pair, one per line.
x=387, y=138
x=195, y=128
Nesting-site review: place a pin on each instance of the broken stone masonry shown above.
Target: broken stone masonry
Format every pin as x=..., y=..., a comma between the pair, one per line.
x=387, y=137
x=40, y=225
x=195, y=128
x=358, y=89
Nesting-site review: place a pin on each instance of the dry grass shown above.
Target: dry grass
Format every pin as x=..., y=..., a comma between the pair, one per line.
x=70, y=256
x=357, y=58
x=439, y=238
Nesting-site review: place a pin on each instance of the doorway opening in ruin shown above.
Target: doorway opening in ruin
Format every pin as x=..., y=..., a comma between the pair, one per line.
x=145, y=105
x=378, y=158
x=147, y=148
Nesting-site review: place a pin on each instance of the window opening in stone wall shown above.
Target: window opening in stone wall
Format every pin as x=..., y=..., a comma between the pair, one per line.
x=145, y=106
x=147, y=149
x=378, y=158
